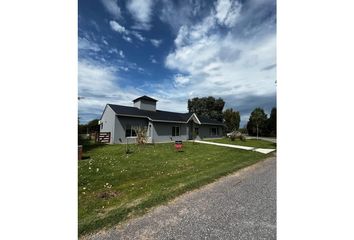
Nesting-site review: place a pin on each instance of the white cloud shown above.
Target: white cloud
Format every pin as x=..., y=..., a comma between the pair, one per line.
x=181, y=80
x=141, y=11
x=85, y=44
x=105, y=42
x=220, y=64
x=126, y=33
x=98, y=84
x=113, y=50
x=117, y=27
x=179, y=13
x=128, y=39
x=227, y=12
x=156, y=42
x=121, y=54
x=138, y=36
x=112, y=7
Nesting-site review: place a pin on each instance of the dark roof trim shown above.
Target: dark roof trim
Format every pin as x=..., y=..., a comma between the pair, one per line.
x=220, y=124
x=145, y=98
x=137, y=116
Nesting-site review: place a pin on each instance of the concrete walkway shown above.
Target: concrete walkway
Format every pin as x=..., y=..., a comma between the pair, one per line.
x=260, y=150
x=269, y=139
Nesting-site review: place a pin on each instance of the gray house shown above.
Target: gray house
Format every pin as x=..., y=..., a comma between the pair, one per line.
x=162, y=126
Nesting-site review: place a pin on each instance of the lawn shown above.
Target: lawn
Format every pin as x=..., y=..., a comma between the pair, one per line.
x=114, y=186
x=249, y=142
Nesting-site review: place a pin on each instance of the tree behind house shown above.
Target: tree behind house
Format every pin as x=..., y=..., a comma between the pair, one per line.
x=231, y=120
x=272, y=123
x=207, y=107
x=256, y=125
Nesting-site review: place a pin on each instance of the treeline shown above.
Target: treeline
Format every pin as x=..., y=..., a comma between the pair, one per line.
x=260, y=125
x=212, y=108
x=90, y=127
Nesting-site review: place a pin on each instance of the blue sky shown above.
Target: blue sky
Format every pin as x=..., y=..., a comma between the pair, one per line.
x=176, y=50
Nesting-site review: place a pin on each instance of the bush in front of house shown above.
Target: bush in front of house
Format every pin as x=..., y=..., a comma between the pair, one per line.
x=141, y=134
x=237, y=135
x=243, y=138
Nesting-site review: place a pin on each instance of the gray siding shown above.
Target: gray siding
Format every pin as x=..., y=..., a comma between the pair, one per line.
x=122, y=122
x=162, y=132
x=145, y=105
x=204, y=131
x=108, y=122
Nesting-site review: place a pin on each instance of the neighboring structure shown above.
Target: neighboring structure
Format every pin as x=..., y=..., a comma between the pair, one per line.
x=162, y=126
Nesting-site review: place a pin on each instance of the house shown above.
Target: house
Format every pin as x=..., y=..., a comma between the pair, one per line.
x=162, y=126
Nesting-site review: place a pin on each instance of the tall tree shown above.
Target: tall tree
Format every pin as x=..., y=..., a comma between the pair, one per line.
x=93, y=126
x=231, y=120
x=257, y=122
x=90, y=127
x=208, y=107
x=272, y=123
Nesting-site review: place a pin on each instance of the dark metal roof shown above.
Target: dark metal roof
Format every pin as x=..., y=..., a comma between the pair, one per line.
x=158, y=115
x=154, y=115
x=145, y=98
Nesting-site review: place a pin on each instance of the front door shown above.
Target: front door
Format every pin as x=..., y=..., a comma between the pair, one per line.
x=190, y=131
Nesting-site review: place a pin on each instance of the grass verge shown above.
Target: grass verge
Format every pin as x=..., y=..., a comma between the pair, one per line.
x=114, y=186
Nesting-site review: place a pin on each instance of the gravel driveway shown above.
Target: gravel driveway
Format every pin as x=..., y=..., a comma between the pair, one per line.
x=239, y=206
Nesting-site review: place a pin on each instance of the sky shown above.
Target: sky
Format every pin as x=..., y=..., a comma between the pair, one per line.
x=174, y=51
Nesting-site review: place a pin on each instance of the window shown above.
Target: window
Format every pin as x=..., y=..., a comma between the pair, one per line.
x=214, y=132
x=101, y=126
x=129, y=131
x=175, y=131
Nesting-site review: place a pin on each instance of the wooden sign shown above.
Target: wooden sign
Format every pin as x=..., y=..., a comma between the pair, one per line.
x=104, y=137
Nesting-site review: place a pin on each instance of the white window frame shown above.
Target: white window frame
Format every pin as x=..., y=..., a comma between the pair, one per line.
x=127, y=127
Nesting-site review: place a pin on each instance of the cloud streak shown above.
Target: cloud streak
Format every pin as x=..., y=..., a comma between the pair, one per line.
x=112, y=8
x=141, y=11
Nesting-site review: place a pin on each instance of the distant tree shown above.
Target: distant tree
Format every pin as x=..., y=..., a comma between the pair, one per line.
x=208, y=107
x=93, y=126
x=257, y=122
x=272, y=123
x=231, y=120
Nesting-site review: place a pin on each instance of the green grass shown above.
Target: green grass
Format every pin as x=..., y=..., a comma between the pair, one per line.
x=249, y=142
x=115, y=186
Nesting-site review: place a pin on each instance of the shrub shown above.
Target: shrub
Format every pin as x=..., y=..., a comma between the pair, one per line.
x=243, y=138
x=141, y=134
x=233, y=137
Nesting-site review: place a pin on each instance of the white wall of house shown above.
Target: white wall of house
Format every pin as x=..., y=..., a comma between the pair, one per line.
x=108, y=122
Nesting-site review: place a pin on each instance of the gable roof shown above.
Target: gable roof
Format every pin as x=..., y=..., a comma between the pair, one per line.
x=158, y=116
x=145, y=98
